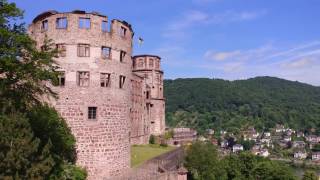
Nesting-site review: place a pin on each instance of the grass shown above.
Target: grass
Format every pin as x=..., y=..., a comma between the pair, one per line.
x=142, y=153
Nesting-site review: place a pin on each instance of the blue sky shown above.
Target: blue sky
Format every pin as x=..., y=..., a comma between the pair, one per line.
x=229, y=39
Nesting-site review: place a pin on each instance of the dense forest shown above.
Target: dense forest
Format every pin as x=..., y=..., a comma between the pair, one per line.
x=262, y=102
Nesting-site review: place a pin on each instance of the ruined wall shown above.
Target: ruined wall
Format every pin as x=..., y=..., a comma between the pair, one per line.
x=103, y=146
x=139, y=115
x=149, y=67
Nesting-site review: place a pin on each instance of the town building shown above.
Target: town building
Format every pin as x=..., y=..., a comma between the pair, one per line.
x=108, y=98
x=298, y=144
x=237, y=148
x=315, y=156
x=300, y=154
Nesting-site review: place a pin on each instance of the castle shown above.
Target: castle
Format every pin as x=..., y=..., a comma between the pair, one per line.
x=109, y=98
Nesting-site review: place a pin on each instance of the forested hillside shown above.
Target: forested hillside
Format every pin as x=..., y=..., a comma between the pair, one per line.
x=262, y=102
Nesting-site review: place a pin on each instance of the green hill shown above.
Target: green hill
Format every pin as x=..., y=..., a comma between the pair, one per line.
x=262, y=102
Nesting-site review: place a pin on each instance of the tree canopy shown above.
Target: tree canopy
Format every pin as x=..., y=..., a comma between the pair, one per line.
x=261, y=102
x=35, y=141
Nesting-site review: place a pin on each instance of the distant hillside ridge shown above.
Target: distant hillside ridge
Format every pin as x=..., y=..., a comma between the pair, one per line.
x=262, y=102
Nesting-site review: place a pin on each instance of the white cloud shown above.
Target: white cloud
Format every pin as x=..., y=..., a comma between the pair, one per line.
x=221, y=56
x=299, y=63
x=194, y=18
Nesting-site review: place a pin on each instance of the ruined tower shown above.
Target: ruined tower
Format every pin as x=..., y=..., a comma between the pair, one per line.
x=94, y=87
x=148, y=66
x=108, y=99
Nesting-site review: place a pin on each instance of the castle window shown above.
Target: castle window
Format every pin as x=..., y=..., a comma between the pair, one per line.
x=123, y=31
x=121, y=81
x=83, y=78
x=92, y=113
x=44, y=25
x=122, y=55
x=106, y=52
x=104, y=26
x=104, y=79
x=61, y=23
x=62, y=50
x=157, y=64
x=140, y=63
x=150, y=63
x=61, y=78
x=83, y=50
x=84, y=23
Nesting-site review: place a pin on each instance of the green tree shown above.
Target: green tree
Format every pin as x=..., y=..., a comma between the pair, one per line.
x=23, y=68
x=202, y=162
x=309, y=175
x=21, y=155
x=35, y=142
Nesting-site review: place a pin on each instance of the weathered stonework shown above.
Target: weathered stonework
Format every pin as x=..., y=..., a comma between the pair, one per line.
x=124, y=115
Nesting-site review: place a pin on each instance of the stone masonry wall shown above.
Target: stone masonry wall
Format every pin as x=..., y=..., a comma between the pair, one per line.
x=103, y=146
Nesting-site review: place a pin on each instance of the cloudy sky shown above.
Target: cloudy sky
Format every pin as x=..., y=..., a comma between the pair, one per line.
x=229, y=39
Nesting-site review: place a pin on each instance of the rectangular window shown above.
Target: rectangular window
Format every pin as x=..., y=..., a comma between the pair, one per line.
x=83, y=50
x=123, y=31
x=44, y=25
x=104, y=26
x=83, y=78
x=62, y=50
x=122, y=55
x=104, y=79
x=61, y=78
x=151, y=63
x=122, y=79
x=106, y=52
x=140, y=63
x=92, y=113
x=84, y=23
x=62, y=23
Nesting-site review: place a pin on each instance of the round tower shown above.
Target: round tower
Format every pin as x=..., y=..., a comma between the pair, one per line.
x=149, y=66
x=94, y=85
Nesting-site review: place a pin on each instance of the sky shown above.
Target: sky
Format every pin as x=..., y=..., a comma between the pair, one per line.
x=227, y=39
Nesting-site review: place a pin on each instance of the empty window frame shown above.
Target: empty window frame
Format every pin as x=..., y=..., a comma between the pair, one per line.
x=122, y=55
x=44, y=25
x=157, y=64
x=122, y=79
x=140, y=63
x=83, y=78
x=151, y=63
x=106, y=52
x=123, y=31
x=61, y=78
x=62, y=50
x=105, y=79
x=62, y=23
x=104, y=26
x=92, y=113
x=84, y=23
x=83, y=50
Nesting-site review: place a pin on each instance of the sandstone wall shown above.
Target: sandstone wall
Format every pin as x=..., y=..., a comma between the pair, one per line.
x=103, y=145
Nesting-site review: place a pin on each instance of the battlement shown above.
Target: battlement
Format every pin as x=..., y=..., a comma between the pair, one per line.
x=77, y=25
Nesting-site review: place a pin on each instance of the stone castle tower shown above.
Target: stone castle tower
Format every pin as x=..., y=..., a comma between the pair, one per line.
x=107, y=100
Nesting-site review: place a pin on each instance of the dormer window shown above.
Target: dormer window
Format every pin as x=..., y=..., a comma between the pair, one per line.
x=84, y=23
x=61, y=23
x=44, y=25
x=123, y=31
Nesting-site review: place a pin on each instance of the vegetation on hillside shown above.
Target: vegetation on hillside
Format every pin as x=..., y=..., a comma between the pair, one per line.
x=35, y=142
x=204, y=163
x=261, y=102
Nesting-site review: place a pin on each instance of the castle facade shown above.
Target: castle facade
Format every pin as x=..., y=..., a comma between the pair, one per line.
x=109, y=98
